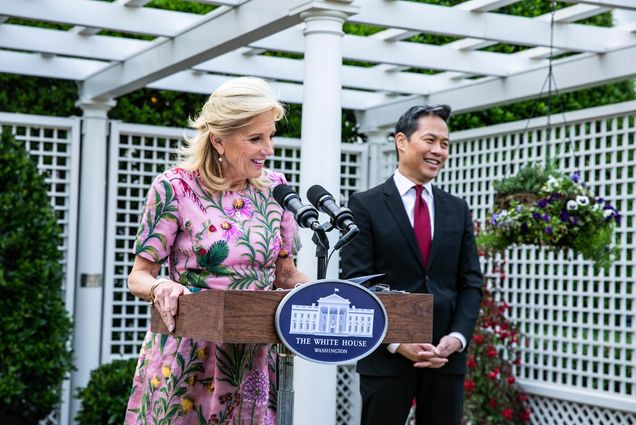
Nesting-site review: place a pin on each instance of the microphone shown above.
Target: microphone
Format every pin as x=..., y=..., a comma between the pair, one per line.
x=306, y=216
x=341, y=217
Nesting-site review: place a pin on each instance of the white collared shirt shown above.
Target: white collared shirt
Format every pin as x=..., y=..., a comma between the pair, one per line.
x=407, y=193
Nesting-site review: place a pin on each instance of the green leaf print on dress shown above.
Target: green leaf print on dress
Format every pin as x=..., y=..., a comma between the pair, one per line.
x=163, y=210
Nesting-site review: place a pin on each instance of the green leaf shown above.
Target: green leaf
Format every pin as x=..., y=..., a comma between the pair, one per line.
x=217, y=253
x=195, y=278
x=162, y=342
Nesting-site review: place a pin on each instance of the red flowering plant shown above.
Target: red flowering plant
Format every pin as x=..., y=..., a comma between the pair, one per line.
x=492, y=395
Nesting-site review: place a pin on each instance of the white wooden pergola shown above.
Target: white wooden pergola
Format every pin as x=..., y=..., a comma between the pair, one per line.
x=196, y=53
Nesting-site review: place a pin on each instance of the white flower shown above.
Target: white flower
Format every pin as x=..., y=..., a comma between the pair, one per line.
x=572, y=205
x=607, y=213
x=596, y=207
x=582, y=200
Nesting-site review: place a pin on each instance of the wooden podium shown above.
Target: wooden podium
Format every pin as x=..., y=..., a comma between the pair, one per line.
x=233, y=316
x=248, y=316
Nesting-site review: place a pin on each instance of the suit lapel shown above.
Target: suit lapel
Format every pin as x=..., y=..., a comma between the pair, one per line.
x=440, y=223
x=393, y=201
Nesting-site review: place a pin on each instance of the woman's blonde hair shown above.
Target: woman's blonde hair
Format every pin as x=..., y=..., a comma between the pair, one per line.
x=231, y=107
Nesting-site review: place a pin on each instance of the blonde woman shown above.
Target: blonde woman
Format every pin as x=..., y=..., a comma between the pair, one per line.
x=215, y=222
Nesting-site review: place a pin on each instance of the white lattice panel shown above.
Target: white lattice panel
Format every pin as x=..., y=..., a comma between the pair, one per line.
x=137, y=155
x=550, y=411
x=579, y=327
x=348, y=400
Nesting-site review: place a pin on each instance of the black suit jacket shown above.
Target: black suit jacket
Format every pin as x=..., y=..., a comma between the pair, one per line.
x=387, y=244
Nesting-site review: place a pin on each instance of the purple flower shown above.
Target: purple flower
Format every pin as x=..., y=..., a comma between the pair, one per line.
x=546, y=217
x=276, y=179
x=241, y=208
x=574, y=219
x=256, y=388
x=536, y=216
x=493, y=219
x=548, y=230
x=524, y=228
x=542, y=203
x=575, y=177
x=230, y=231
x=554, y=197
x=565, y=217
x=268, y=419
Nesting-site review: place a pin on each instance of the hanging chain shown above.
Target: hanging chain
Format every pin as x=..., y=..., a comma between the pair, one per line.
x=550, y=81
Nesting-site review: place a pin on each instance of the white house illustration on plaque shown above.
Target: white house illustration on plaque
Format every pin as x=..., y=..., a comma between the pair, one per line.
x=332, y=316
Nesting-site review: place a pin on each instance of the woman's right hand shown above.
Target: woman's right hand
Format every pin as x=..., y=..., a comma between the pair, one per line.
x=166, y=295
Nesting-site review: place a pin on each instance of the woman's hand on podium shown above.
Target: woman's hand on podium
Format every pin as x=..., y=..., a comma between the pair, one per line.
x=165, y=296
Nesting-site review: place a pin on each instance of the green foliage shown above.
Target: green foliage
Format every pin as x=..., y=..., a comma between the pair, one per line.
x=34, y=325
x=105, y=397
x=158, y=107
x=596, y=96
x=530, y=178
x=492, y=395
x=39, y=96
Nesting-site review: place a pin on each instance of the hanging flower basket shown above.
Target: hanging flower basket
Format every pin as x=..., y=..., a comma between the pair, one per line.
x=541, y=206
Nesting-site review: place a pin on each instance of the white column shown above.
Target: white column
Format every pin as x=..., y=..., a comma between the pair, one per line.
x=376, y=140
x=90, y=246
x=315, y=384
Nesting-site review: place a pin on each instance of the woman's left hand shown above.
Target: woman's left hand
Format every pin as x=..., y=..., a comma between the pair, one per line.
x=166, y=296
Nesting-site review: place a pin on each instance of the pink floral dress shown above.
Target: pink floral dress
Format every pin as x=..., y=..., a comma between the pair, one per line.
x=227, y=240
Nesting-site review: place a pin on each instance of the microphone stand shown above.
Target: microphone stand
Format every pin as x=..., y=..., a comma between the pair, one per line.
x=322, y=248
x=285, y=362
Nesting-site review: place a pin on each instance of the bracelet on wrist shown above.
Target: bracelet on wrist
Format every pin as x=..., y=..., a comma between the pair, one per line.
x=151, y=293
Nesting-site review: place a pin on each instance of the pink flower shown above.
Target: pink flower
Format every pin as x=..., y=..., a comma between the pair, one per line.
x=230, y=231
x=276, y=179
x=241, y=209
x=510, y=380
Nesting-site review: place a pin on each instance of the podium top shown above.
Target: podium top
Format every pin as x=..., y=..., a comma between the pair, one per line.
x=236, y=316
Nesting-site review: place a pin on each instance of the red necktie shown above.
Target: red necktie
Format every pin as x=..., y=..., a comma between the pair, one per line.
x=422, y=224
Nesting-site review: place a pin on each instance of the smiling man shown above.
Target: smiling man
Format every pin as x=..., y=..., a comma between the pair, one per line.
x=422, y=238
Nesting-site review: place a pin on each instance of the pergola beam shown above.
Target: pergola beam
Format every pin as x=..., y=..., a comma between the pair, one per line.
x=496, y=27
x=39, y=65
x=67, y=43
x=620, y=4
x=473, y=95
x=412, y=55
x=287, y=69
x=223, y=33
x=97, y=14
x=194, y=82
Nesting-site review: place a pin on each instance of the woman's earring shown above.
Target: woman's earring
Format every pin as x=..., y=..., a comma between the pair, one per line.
x=218, y=166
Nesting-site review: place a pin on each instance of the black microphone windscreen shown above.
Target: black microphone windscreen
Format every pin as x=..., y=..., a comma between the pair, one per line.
x=281, y=191
x=315, y=193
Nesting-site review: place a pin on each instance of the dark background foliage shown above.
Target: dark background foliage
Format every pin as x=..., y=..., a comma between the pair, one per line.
x=105, y=398
x=34, y=325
